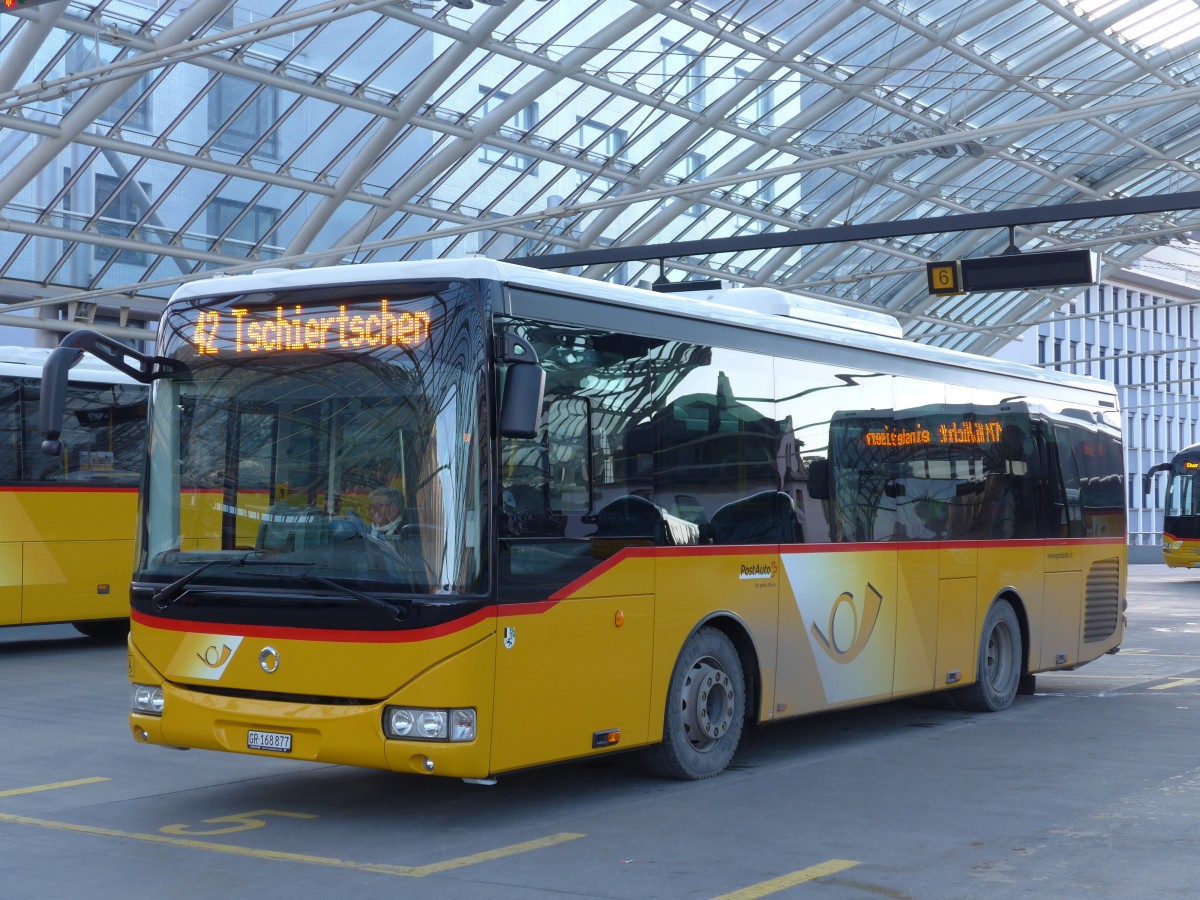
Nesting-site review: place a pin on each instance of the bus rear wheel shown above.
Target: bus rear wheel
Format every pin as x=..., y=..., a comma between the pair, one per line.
x=706, y=709
x=1000, y=656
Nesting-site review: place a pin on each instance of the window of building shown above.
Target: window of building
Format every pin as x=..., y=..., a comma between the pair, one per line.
x=119, y=212
x=257, y=223
x=602, y=143
x=140, y=117
x=683, y=76
x=759, y=193
x=693, y=170
x=259, y=114
x=523, y=123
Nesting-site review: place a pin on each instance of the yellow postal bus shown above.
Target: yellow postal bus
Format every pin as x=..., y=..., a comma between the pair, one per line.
x=67, y=523
x=1181, y=510
x=629, y=520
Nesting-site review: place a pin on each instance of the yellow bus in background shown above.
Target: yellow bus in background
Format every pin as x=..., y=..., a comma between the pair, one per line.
x=67, y=523
x=1181, y=507
x=628, y=520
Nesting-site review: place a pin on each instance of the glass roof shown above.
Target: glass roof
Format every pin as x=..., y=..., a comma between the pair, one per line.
x=143, y=143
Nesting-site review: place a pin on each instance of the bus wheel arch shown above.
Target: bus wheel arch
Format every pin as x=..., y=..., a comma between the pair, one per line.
x=706, y=706
x=1003, y=643
x=103, y=629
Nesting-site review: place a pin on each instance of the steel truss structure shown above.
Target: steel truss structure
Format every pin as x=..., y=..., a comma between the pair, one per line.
x=145, y=143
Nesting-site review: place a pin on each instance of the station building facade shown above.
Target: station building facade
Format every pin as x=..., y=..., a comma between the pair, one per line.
x=1138, y=330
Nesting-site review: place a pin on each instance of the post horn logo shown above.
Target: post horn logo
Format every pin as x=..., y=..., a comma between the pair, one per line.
x=849, y=628
x=214, y=658
x=268, y=659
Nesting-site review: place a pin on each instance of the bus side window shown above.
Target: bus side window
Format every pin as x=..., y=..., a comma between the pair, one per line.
x=1067, y=504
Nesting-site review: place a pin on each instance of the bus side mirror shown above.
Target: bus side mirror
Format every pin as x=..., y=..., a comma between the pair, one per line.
x=818, y=479
x=54, y=396
x=1148, y=478
x=139, y=366
x=521, y=406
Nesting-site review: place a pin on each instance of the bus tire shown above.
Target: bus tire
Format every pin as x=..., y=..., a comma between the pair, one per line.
x=706, y=710
x=1000, y=656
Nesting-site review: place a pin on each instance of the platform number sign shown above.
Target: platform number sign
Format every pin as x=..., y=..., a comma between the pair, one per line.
x=944, y=277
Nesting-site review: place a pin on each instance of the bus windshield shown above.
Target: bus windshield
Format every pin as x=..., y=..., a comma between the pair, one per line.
x=1183, y=498
x=325, y=439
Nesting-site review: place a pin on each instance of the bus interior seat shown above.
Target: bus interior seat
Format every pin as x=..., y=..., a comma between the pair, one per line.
x=288, y=528
x=633, y=521
x=632, y=517
x=769, y=517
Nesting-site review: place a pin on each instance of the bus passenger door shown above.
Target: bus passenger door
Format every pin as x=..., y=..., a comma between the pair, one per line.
x=1062, y=604
x=574, y=627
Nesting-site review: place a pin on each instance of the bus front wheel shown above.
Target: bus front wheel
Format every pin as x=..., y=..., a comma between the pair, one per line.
x=1000, y=657
x=706, y=709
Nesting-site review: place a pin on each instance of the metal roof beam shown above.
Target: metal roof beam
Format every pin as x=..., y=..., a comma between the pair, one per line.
x=1002, y=218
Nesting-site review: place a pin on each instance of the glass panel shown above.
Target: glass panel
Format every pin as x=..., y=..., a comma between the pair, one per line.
x=302, y=418
x=717, y=450
x=829, y=411
x=1182, y=496
x=103, y=434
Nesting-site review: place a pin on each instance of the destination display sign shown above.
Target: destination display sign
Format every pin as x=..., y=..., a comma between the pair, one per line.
x=287, y=329
x=948, y=433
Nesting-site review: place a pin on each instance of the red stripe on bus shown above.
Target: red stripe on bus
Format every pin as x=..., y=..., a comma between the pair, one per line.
x=327, y=635
x=66, y=488
x=538, y=607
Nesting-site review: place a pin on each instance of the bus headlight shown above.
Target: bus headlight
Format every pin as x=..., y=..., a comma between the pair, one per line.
x=1172, y=545
x=148, y=698
x=413, y=724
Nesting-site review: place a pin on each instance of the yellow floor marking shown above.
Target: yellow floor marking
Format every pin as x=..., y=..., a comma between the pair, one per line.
x=1178, y=682
x=50, y=787
x=420, y=871
x=830, y=867
x=382, y=868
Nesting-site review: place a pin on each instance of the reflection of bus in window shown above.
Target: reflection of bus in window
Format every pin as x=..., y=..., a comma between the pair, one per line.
x=1181, y=507
x=965, y=472
x=630, y=520
x=67, y=524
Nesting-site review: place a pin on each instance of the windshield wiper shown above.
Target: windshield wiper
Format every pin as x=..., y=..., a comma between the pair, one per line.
x=396, y=610
x=168, y=594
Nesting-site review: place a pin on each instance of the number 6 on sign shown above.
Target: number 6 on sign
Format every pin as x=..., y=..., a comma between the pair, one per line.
x=243, y=822
x=944, y=277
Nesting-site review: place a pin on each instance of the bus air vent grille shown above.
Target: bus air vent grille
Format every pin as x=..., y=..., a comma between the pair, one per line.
x=1103, y=608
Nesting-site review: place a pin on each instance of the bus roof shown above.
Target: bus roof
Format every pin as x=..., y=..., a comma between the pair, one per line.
x=761, y=309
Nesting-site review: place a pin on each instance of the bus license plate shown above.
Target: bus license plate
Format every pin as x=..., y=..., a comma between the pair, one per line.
x=269, y=740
